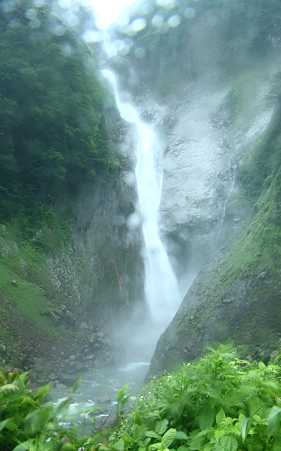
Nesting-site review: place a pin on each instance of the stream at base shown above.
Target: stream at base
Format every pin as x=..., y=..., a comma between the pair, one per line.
x=99, y=389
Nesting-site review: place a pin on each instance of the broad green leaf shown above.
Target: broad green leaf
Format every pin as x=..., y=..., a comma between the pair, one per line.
x=161, y=426
x=63, y=406
x=155, y=446
x=128, y=439
x=77, y=384
x=206, y=417
x=20, y=382
x=38, y=419
x=208, y=447
x=168, y=438
x=23, y=446
x=197, y=443
x=245, y=427
x=41, y=392
x=228, y=443
x=205, y=432
x=4, y=423
x=220, y=416
x=181, y=435
x=9, y=387
x=12, y=426
x=139, y=432
x=119, y=446
x=124, y=400
x=153, y=435
x=68, y=447
x=219, y=434
x=274, y=419
x=183, y=448
x=137, y=418
x=121, y=393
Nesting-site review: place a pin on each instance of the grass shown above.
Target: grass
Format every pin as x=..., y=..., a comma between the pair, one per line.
x=24, y=285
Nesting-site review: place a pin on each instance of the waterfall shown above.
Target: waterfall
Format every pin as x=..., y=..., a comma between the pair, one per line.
x=161, y=287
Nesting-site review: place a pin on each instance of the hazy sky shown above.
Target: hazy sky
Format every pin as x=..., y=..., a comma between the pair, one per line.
x=107, y=11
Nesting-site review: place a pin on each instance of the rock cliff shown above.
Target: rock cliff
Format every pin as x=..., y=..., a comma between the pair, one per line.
x=216, y=94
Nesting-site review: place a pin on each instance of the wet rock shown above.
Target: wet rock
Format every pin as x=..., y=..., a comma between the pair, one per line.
x=90, y=356
x=54, y=316
x=78, y=366
x=93, y=338
x=72, y=357
x=101, y=400
x=67, y=379
x=59, y=385
x=53, y=376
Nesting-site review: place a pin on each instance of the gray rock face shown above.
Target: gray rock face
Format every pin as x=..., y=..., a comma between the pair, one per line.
x=208, y=143
x=99, y=274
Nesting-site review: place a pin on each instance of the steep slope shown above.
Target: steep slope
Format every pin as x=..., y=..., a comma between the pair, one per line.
x=236, y=296
x=213, y=69
x=69, y=272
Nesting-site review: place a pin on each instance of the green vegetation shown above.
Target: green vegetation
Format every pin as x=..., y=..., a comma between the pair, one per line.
x=25, y=293
x=53, y=130
x=263, y=160
x=26, y=423
x=219, y=403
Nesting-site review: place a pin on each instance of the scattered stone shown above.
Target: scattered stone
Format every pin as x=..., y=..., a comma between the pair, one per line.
x=72, y=357
x=90, y=357
x=52, y=376
x=60, y=385
x=262, y=275
x=67, y=379
x=93, y=338
x=80, y=366
x=101, y=400
x=83, y=326
x=54, y=316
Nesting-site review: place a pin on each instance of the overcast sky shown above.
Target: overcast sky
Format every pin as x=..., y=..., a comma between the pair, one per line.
x=107, y=11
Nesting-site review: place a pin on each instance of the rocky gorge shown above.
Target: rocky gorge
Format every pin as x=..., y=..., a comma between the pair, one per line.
x=210, y=86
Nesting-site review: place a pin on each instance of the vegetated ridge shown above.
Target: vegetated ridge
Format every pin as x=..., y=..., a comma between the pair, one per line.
x=63, y=204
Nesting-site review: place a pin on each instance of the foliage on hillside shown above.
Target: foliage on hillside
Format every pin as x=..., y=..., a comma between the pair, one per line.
x=52, y=128
x=219, y=403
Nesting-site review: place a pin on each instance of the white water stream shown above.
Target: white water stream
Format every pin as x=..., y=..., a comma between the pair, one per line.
x=161, y=287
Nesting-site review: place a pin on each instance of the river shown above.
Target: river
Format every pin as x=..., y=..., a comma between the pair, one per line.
x=98, y=390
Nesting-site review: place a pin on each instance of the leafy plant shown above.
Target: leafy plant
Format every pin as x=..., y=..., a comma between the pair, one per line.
x=219, y=403
x=27, y=423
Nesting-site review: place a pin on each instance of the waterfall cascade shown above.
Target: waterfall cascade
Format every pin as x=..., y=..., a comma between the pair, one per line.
x=161, y=287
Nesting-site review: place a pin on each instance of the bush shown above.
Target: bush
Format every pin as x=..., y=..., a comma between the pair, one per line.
x=27, y=423
x=219, y=403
